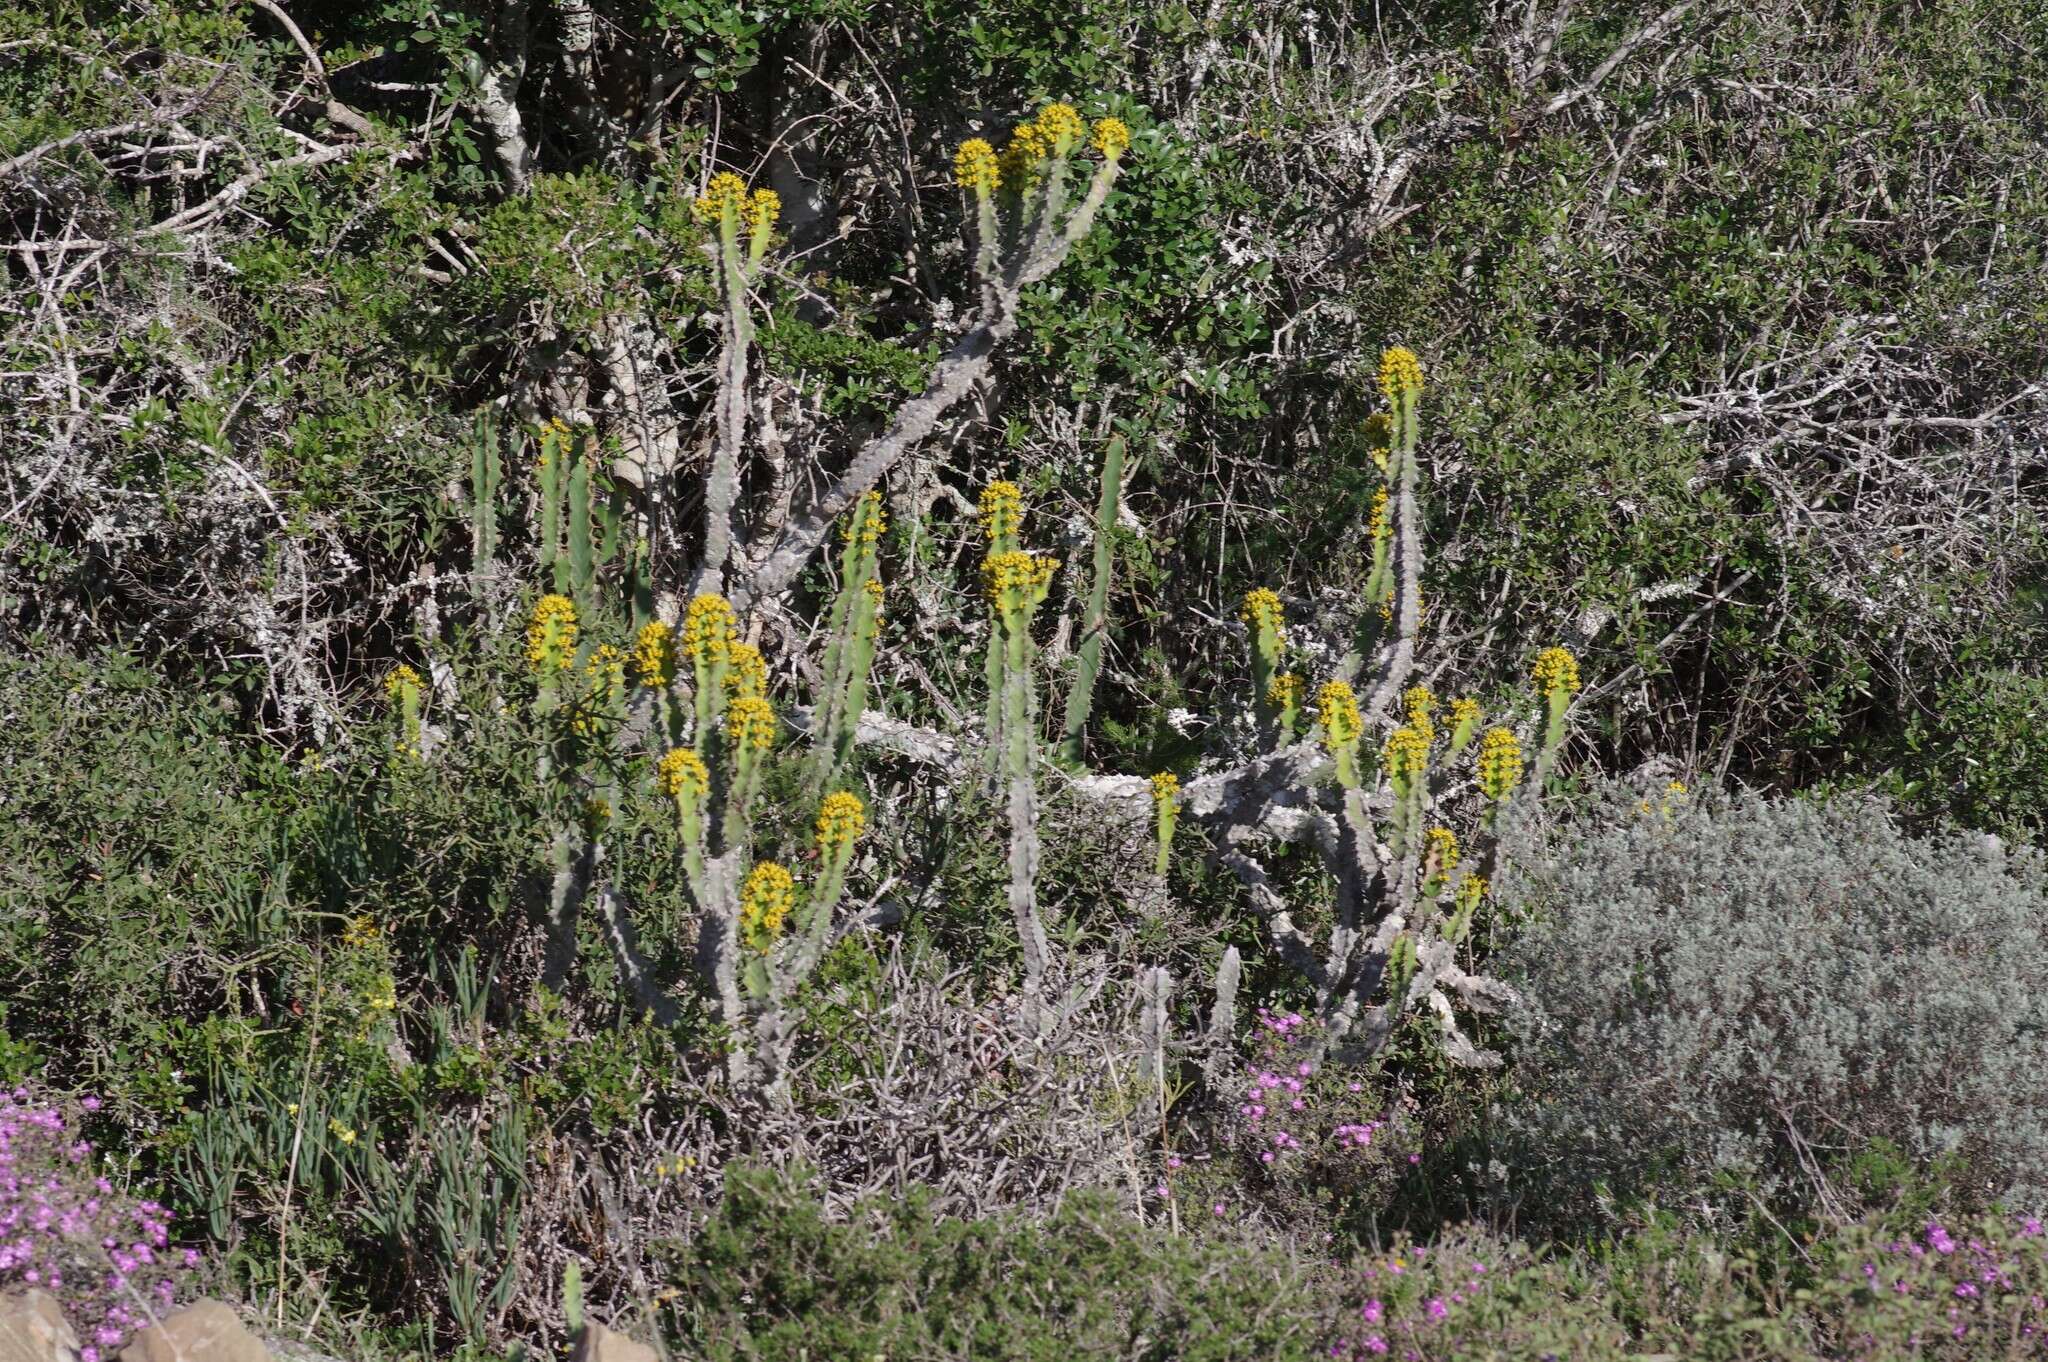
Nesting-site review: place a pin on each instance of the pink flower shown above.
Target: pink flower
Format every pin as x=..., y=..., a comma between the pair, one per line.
x=1436, y=1308
x=1373, y=1343
x=1372, y=1311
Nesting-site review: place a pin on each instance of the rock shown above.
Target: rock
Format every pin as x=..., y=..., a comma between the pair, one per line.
x=33, y=1329
x=205, y=1331
x=600, y=1344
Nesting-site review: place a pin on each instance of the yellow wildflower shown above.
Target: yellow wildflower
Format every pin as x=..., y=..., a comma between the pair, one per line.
x=1285, y=692
x=1442, y=843
x=1419, y=701
x=842, y=818
x=1464, y=710
x=1262, y=610
x=750, y=722
x=1500, y=763
x=1376, y=521
x=1166, y=789
x=869, y=523
x=401, y=680
x=551, y=634
x=726, y=190
x=1400, y=372
x=1337, y=713
x=1007, y=576
x=763, y=207
x=1020, y=159
x=975, y=166
x=1112, y=138
x=1471, y=888
x=708, y=630
x=873, y=586
x=682, y=774
x=749, y=671
x=1002, y=510
x=361, y=931
x=654, y=654
x=1406, y=753
x=765, y=903
x=1060, y=126
x=345, y=1134
x=1556, y=671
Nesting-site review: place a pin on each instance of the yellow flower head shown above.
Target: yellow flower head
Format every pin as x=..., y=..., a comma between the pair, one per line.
x=1556, y=672
x=709, y=630
x=1676, y=787
x=1419, y=702
x=763, y=207
x=1337, y=713
x=1464, y=710
x=1011, y=579
x=749, y=671
x=654, y=654
x=1376, y=521
x=340, y=1132
x=1387, y=609
x=1285, y=692
x=1060, y=126
x=750, y=722
x=726, y=190
x=869, y=524
x=1002, y=510
x=1406, y=753
x=402, y=680
x=1166, y=790
x=1018, y=165
x=1262, y=611
x=1400, y=372
x=842, y=818
x=975, y=167
x=1112, y=138
x=1500, y=763
x=1442, y=843
x=1471, y=888
x=681, y=774
x=873, y=586
x=551, y=634
x=361, y=931
x=596, y=812
x=765, y=901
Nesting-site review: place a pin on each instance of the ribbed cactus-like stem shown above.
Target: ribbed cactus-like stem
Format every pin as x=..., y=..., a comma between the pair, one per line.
x=1095, y=624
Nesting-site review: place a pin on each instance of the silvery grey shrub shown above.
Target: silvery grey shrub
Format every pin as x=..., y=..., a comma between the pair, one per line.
x=1767, y=987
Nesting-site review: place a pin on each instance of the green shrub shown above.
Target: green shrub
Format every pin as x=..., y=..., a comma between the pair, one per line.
x=1763, y=989
x=772, y=1278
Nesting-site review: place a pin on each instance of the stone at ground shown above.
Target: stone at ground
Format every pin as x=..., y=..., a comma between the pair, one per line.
x=205, y=1331
x=33, y=1329
x=600, y=1344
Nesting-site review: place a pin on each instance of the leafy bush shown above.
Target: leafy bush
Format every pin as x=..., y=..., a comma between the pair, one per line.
x=771, y=1278
x=1766, y=988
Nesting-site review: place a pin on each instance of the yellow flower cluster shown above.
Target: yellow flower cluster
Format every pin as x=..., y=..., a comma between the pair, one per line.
x=765, y=902
x=764, y=206
x=1387, y=609
x=1556, y=671
x=1442, y=843
x=604, y=675
x=1406, y=753
x=1464, y=710
x=361, y=931
x=975, y=166
x=1500, y=763
x=1002, y=510
x=1166, y=789
x=551, y=634
x=1262, y=610
x=1471, y=889
x=1419, y=702
x=1005, y=573
x=1019, y=163
x=345, y=1134
x=1400, y=372
x=708, y=630
x=401, y=680
x=1285, y=692
x=654, y=654
x=870, y=525
x=873, y=586
x=726, y=190
x=1376, y=522
x=750, y=722
x=1337, y=713
x=1112, y=137
x=597, y=812
x=682, y=774
x=749, y=675
x=842, y=818
x=1060, y=124
x=674, y=1168
x=381, y=996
